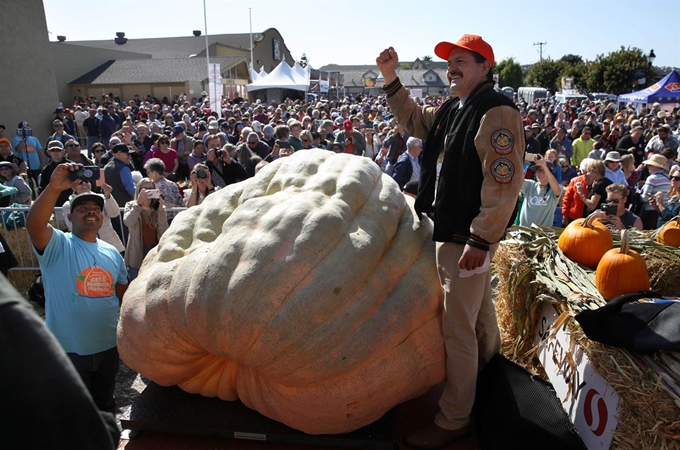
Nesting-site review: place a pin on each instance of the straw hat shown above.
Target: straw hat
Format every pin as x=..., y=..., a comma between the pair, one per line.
x=659, y=161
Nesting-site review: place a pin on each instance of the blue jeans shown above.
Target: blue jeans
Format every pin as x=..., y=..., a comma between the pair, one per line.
x=91, y=140
x=98, y=372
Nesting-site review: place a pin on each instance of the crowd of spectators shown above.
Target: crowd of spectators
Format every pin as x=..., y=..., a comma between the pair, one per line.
x=190, y=151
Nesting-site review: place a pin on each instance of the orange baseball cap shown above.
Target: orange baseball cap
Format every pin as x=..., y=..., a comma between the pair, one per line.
x=470, y=42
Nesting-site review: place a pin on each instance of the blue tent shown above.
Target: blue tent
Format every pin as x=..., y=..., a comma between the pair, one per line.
x=667, y=90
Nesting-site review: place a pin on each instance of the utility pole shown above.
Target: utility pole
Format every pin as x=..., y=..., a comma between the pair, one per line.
x=540, y=49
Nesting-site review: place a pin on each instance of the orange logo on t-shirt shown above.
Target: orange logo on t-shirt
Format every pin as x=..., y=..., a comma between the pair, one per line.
x=95, y=282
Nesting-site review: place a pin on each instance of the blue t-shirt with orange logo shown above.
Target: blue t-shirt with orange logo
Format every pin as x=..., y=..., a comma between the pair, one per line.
x=81, y=306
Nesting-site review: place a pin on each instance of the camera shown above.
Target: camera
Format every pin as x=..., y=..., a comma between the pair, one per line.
x=283, y=144
x=200, y=173
x=610, y=208
x=219, y=152
x=154, y=204
x=85, y=173
x=530, y=157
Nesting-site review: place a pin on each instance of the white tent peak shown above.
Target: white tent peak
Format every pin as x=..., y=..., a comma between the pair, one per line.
x=282, y=77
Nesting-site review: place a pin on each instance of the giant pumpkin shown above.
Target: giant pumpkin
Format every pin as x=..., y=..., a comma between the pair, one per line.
x=309, y=292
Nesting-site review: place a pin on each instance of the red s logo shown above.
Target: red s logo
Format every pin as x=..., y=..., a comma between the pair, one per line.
x=592, y=396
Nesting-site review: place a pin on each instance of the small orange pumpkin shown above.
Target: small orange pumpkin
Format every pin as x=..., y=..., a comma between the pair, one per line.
x=669, y=234
x=584, y=241
x=621, y=271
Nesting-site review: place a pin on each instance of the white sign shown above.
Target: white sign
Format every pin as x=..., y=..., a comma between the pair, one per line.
x=417, y=93
x=215, y=87
x=590, y=402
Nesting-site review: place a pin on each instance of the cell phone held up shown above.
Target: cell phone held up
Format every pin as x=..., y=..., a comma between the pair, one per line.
x=283, y=144
x=86, y=173
x=609, y=209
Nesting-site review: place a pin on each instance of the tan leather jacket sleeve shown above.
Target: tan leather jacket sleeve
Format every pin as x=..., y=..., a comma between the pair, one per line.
x=500, y=145
x=416, y=120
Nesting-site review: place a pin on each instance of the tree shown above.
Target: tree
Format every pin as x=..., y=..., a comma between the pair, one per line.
x=405, y=65
x=546, y=73
x=510, y=73
x=303, y=60
x=616, y=72
x=572, y=60
x=426, y=59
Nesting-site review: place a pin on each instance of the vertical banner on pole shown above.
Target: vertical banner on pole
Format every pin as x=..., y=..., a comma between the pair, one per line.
x=215, y=88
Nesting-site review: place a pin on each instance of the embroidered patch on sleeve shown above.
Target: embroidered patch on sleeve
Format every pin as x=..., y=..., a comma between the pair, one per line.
x=502, y=141
x=502, y=170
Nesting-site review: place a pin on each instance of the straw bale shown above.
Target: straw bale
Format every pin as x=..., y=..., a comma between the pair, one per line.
x=648, y=417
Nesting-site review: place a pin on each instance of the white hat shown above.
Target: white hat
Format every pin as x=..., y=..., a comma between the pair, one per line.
x=257, y=126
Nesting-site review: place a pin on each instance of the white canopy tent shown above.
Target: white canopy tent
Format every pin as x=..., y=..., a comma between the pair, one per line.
x=282, y=77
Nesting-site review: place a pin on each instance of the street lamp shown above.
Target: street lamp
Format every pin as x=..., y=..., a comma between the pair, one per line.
x=651, y=57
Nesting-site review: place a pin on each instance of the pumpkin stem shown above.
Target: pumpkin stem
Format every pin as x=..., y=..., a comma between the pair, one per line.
x=624, y=242
x=592, y=217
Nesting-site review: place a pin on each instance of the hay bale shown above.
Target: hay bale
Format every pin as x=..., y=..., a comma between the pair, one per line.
x=648, y=416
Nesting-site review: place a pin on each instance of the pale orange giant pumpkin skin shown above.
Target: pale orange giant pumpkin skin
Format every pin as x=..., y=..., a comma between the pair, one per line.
x=310, y=292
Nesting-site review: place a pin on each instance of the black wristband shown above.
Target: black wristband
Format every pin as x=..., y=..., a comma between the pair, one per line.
x=392, y=88
x=477, y=244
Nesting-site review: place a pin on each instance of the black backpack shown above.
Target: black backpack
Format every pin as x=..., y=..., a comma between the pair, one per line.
x=36, y=293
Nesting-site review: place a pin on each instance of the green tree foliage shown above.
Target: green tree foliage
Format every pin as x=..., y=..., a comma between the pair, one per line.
x=303, y=60
x=405, y=65
x=615, y=72
x=510, y=73
x=546, y=74
x=426, y=59
x=572, y=60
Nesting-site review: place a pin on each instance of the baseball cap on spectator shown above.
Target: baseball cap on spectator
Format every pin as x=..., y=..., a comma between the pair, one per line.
x=338, y=121
x=23, y=125
x=268, y=130
x=213, y=125
x=257, y=126
x=59, y=110
x=177, y=130
x=87, y=196
x=347, y=125
x=666, y=127
x=120, y=148
x=55, y=144
x=5, y=141
x=536, y=125
x=527, y=128
x=470, y=42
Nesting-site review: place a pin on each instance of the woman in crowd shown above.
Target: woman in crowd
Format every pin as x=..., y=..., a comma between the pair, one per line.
x=568, y=172
x=629, y=170
x=552, y=157
x=306, y=138
x=596, y=193
x=9, y=175
x=572, y=204
x=164, y=152
x=111, y=210
x=541, y=196
x=656, y=183
x=669, y=209
x=201, y=185
x=98, y=150
x=155, y=168
x=146, y=220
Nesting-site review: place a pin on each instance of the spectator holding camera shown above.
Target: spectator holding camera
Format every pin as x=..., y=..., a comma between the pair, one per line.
x=56, y=152
x=201, y=184
x=224, y=169
x=155, y=168
x=146, y=220
x=618, y=217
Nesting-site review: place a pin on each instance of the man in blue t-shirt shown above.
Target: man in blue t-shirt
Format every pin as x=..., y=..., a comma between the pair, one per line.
x=85, y=279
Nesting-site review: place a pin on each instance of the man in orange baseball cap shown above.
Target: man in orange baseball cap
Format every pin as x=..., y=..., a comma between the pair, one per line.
x=472, y=160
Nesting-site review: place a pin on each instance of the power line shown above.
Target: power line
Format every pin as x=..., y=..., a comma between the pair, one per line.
x=540, y=49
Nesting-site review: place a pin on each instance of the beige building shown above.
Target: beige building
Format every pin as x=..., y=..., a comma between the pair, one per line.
x=161, y=67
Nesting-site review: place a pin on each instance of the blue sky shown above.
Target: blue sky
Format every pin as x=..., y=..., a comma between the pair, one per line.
x=354, y=32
